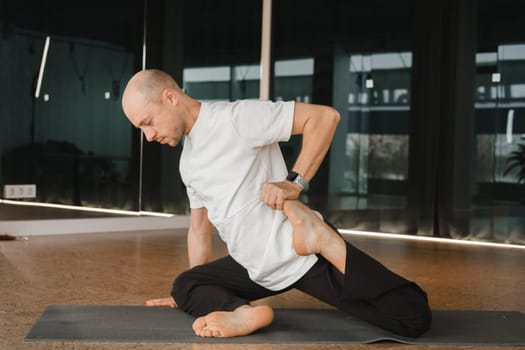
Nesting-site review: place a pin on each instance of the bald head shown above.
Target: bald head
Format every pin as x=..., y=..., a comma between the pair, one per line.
x=154, y=103
x=147, y=86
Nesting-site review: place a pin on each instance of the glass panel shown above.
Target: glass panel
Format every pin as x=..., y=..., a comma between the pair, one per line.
x=226, y=83
x=374, y=97
x=499, y=213
x=293, y=80
x=218, y=60
x=66, y=132
x=363, y=71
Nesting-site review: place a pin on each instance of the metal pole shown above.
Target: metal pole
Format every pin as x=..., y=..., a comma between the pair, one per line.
x=141, y=149
x=264, y=88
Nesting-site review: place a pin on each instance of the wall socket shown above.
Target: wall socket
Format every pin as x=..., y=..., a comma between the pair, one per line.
x=19, y=191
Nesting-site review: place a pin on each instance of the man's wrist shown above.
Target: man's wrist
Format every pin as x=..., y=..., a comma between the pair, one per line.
x=296, y=178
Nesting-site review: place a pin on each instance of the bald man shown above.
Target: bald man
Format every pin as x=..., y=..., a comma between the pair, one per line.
x=237, y=182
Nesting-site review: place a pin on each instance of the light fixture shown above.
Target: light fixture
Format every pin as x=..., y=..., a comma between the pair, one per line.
x=510, y=124
x=42, y=67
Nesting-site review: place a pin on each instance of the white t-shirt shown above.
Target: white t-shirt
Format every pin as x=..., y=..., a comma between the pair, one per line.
x=229, y=154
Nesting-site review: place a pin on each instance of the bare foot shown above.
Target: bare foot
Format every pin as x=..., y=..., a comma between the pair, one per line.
x=244, y=320
x=311, y=235
x=308, y=228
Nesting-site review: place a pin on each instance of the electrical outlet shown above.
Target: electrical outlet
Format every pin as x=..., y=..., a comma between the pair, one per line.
x=19, y=191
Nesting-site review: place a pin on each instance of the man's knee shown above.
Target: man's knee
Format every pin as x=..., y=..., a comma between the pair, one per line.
x=413, y=312
x=182, y=286
x=418, y=323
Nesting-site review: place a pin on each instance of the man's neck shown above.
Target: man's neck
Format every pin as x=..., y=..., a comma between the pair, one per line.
x=191, y=112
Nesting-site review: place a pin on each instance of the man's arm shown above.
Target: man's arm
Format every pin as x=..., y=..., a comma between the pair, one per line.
x=199, y=248
x=317, y=124
x=199, y=237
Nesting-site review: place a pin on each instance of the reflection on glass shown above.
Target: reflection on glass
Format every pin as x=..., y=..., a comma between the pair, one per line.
x=377, y=111
x=222, y=83
x=70, y=139
x=293, y=81
x=500, y=144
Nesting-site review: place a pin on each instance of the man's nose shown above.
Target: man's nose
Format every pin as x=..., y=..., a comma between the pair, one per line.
x=150, y=134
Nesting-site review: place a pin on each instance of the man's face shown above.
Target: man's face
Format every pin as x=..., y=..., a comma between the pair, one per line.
x=158, y=120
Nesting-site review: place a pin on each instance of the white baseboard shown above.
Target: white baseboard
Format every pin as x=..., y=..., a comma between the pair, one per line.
x=91, y=225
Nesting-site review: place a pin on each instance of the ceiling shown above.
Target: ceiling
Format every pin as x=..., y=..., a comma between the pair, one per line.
x=213, y=26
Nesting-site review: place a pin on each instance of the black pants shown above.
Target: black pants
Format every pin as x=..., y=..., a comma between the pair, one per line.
x=367, y=290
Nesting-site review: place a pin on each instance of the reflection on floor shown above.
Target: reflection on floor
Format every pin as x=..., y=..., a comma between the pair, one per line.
x=28, y=212
x=130, y=267
x=501, y=222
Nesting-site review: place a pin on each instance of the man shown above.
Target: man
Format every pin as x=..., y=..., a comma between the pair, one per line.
x=237, y=181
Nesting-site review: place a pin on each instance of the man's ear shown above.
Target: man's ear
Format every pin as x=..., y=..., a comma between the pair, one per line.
x=171, y=96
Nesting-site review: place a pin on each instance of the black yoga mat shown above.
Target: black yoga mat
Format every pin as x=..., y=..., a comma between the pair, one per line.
x=93, y=323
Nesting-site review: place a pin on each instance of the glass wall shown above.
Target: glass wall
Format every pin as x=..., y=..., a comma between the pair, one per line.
x=363, y=71
x=369, y=169
x=293, y=81
x=410, y=92
x=213, y=49
x=61, y=124
x=226, y=83
x=500, y=145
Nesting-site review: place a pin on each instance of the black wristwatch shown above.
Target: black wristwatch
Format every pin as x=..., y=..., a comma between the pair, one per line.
x=297, y=179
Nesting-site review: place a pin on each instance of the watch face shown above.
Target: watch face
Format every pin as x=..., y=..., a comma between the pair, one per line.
x=297, y=179
x=292, y=175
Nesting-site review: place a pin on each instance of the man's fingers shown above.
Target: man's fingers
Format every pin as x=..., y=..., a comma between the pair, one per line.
x=167, y=302
x=273, y=195
x=279, y=204
x=154, y=302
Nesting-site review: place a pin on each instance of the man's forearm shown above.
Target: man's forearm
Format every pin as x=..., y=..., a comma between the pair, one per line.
x=199, y=237
x=317, y=137
x=199, y=248
x=317, y=124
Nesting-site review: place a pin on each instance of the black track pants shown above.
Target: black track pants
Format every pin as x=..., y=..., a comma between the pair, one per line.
x=367, y=290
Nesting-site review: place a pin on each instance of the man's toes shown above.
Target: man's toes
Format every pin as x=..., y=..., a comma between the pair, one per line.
x=209, y=333
x=213, y=334
x=199, y=324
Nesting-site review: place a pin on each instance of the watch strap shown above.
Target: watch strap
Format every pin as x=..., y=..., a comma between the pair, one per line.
x=295, y=177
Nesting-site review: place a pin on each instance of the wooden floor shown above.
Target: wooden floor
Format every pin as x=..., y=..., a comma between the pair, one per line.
x=130, y=267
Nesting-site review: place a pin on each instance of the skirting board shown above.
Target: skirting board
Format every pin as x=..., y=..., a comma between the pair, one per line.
x=25, y=228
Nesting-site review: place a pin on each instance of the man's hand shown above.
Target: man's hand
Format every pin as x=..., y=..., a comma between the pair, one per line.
x=167, y=302
x=274, y=194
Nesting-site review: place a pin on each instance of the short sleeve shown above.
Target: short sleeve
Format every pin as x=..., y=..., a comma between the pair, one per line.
x=195, y=201
x=262, y=123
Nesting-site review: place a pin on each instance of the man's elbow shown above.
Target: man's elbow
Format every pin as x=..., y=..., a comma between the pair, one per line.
x=337, y=116
x=333, y=116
